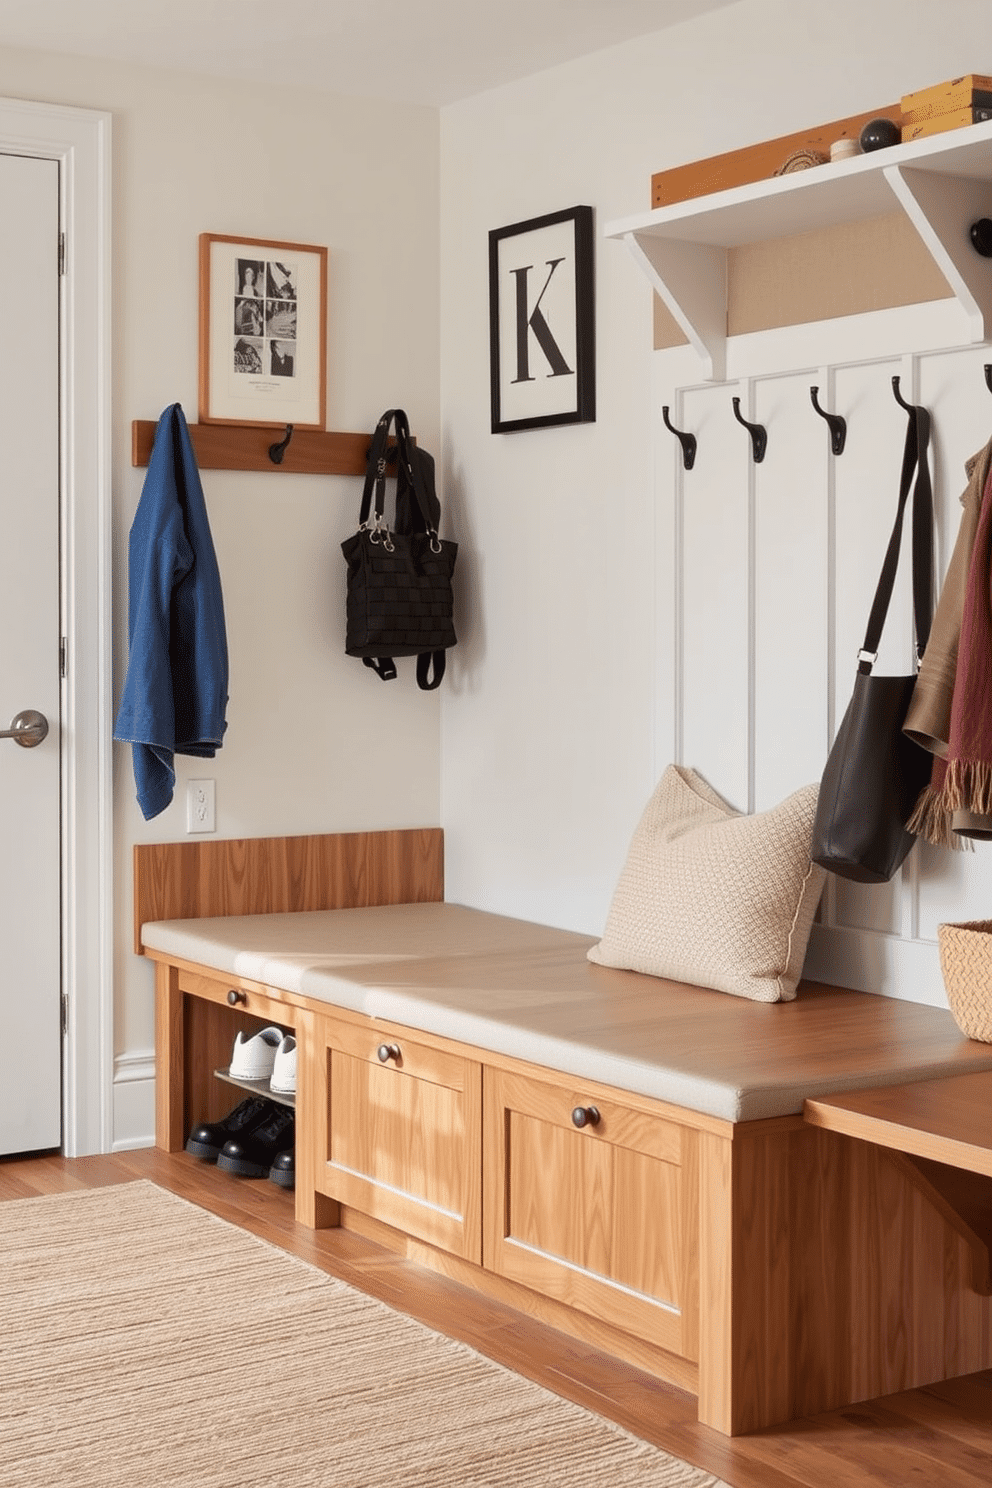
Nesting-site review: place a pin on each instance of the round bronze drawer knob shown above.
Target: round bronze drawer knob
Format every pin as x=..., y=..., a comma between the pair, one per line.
x=386, y=1052
x=234, y=997
x=585, y=1116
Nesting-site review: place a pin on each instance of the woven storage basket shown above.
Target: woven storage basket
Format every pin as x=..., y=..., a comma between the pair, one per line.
x=966, y=962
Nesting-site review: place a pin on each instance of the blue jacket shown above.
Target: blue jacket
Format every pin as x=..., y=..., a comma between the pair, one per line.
x=175, y=692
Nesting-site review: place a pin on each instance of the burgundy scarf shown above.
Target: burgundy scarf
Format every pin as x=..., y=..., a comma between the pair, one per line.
x=963, y=781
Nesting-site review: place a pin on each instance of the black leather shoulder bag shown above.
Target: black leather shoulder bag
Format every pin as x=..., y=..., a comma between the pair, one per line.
x=874, y=772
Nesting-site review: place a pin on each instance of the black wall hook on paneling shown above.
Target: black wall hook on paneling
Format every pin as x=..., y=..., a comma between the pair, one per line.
x=758, y=433
x=687, y=441
x=276, y=451
x=838, y=425
x=899, y=397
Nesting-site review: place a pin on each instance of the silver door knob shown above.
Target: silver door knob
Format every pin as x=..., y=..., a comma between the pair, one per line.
x=27, y=728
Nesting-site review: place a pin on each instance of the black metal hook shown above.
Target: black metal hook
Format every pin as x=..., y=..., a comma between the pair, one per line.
x=899, y=397
x=988, y=376
x=838, y=425
x=758, y=433
x=687, y=441
x=276, y=451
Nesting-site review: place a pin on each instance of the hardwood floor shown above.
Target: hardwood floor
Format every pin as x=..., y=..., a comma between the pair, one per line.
x=939, y=1437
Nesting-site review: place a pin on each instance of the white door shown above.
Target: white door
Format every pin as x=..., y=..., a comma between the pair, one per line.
x=30, y=855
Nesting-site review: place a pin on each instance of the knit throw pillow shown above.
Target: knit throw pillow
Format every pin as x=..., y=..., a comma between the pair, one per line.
x=715, y=898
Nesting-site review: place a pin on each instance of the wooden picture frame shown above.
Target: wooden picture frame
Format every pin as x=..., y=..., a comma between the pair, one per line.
x=263, y=332
x=542, y=343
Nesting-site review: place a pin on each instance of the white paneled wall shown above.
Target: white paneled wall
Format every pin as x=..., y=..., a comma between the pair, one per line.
x=791, y=551
x=772, y=569
x=714, y=563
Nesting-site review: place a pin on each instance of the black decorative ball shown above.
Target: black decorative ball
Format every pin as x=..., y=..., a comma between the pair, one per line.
x=878, y=134
x=981, y=236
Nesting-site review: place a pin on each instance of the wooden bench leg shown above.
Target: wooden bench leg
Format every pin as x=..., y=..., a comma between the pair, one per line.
x=716, y=1270
x=170, y=1063
x=313, y=1209
x=747, y=1354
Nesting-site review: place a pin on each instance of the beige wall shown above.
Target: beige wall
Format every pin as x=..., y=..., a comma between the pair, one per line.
x=315, y=742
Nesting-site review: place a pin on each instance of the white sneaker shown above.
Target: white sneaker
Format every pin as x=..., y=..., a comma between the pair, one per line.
x=283, y=1080
x=254, y=1057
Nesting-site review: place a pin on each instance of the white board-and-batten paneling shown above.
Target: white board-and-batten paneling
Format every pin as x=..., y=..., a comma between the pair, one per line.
x=713, y=559
x=772, y=569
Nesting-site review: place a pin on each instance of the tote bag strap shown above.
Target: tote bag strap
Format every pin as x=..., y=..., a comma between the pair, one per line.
x=922, y=538
x=914, y=460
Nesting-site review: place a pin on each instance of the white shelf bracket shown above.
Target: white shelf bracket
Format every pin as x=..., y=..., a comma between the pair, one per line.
x=942, y=209
x=691, y=279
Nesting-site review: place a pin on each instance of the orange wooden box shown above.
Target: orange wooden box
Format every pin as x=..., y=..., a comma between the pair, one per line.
x=956, y=119
x=756, y=162
x=957, y=93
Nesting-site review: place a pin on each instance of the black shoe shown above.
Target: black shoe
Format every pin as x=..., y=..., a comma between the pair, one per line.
x=283, y=1169
x=252, y=1155
x=207, y=1139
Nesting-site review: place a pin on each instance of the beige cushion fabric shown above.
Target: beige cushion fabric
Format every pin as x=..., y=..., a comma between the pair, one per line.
x=715, y=898
x=527, y=992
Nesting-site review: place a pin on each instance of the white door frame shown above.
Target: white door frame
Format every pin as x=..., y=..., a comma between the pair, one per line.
x=79, y=139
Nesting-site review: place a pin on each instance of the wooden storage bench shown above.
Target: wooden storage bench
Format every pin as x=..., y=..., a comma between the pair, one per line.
x=621, y=1156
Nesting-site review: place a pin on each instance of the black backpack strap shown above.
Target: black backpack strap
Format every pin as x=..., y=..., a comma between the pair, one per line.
x=375, y=469
x=424, y=661
x=408, y=458
x=383, y=666
x=914, y=461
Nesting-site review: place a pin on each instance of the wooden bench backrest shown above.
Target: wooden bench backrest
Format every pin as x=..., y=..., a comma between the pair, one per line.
x=277, y=875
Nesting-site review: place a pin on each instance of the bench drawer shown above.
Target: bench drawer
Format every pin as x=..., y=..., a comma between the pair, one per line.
x=602, y=1216
x=404, y=1140
x=267, y=1007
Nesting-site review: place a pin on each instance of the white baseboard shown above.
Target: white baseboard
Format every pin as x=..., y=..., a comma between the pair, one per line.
x=134, y=1100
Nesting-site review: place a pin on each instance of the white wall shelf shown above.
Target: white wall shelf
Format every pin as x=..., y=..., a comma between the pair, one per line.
x=943, y=184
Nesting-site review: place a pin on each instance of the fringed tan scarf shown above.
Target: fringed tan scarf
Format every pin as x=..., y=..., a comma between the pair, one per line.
x=957, y=804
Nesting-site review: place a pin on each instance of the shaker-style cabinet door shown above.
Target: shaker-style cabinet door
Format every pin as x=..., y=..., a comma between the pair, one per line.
x=595, y=1204
x=403, y=1141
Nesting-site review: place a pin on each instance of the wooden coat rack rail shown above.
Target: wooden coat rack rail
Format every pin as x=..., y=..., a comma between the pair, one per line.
x=246, y=447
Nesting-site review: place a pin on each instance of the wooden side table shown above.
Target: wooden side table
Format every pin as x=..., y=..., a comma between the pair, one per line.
x=940, y=1133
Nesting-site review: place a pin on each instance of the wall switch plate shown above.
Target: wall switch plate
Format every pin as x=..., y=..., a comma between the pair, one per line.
x=201, y=814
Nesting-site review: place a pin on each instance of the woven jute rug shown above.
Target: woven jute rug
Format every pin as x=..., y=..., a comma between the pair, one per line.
x=143, y=1341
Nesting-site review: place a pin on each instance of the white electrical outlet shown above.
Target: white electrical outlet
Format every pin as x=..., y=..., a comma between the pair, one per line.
x=201, y=815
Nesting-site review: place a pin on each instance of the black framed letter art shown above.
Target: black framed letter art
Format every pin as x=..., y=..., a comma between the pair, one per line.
x=542, y=346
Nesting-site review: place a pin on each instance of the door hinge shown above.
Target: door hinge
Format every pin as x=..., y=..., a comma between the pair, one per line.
x=63, y=658
x=61, y=253
x=65, y=1014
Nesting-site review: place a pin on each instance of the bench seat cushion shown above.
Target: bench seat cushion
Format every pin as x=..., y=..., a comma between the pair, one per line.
x=529, y=992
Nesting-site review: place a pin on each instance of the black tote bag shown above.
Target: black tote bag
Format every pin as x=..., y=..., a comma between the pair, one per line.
x=874, y=773
x=400, y=598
